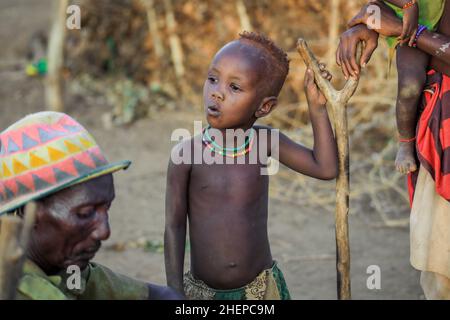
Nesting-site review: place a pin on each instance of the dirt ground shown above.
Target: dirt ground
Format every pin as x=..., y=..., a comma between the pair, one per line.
x=302, y=240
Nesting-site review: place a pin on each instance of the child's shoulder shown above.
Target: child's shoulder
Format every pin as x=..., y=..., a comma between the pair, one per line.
x=183, y=152
x=261, y=127
x=265, y=136
x=264, y=129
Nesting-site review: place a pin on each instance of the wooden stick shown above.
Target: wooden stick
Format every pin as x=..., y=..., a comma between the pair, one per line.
x=14, y=236
x=153, y=28
x=338, y=103
x=243, y=16
x=54, y=87
x=333, y=31
x=174, y=40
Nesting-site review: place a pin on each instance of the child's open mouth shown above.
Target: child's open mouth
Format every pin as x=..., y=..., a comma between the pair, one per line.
x=213, y=111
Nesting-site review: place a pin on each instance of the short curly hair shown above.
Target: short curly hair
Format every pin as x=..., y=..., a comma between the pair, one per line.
x=279, y=66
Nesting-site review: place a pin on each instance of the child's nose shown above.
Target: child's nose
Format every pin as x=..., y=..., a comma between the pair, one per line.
x=217, y=95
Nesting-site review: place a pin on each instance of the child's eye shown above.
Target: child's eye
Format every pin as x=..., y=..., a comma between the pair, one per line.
x=234, y=87
x=212, y=79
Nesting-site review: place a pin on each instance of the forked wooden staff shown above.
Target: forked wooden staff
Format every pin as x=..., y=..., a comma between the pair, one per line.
x=337, y=100
x=14, y=236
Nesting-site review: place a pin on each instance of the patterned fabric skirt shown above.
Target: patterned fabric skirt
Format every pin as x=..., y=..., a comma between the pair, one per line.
x=268, y=285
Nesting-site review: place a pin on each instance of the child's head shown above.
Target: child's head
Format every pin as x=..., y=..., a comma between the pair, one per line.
x=244, y=80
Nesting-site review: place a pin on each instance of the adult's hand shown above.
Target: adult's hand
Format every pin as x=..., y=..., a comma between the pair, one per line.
x=348, y=43
x=389, y=25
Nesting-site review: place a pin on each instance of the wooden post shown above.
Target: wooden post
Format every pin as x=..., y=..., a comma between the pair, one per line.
x=174, y=40
x=55, y=57
x=14, y=236
x=333, y=31
x=337, y=100
x=243, y=16
x=152, y=20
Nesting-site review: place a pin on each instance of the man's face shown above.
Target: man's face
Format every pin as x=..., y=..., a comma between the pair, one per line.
x=71, y=224
x=231, y=92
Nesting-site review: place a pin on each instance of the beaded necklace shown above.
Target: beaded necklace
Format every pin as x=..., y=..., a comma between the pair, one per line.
x=228, y=152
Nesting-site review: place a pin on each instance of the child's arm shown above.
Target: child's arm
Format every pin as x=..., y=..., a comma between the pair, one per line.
x=175, y=224
x=321, y=162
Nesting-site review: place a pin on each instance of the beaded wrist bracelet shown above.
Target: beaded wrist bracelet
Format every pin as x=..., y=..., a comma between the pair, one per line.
x=409, y=4
x=406, y=140
x=420, y=30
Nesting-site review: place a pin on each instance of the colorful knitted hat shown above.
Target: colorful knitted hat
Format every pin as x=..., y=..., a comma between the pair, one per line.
x=44, y=153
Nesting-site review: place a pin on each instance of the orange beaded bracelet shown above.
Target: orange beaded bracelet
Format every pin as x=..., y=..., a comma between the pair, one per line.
x=409, y=4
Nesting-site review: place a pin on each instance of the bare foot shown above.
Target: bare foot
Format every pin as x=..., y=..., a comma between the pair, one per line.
x=405, y=161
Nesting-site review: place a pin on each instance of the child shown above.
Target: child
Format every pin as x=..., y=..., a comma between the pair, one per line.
x=411, y=65
x=227, y=204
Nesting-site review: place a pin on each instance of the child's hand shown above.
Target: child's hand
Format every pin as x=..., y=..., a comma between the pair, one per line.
x=410, y=25
x=313, y=94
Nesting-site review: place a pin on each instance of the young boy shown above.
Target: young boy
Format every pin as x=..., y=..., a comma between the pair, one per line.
x=412, y=67
x=227, y=204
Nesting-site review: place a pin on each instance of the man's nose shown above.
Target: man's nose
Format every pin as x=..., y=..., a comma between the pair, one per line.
x=102, y=231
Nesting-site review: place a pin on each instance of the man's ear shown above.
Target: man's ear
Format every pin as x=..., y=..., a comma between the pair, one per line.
x=266, y=106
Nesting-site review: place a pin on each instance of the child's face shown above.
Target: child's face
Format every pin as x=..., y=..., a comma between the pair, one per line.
x=231, y=92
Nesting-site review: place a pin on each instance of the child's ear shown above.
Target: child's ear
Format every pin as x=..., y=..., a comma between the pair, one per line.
x=266, y=106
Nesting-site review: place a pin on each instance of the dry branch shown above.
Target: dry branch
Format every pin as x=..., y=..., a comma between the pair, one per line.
x=338, y=103
x=152, y=20
x=54, y=90
x=243, y=16
x=174, y=40
x=14, y=236
x=333, y=30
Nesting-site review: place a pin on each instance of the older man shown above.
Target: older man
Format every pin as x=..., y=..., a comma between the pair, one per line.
x=50, y=158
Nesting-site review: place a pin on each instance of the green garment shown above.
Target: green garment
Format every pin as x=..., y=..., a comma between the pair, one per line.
x=430, y=13
x=268, y=285
x=240, y=294
x=97, y=283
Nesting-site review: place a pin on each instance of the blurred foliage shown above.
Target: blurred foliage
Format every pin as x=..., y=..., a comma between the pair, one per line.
x=115, y=38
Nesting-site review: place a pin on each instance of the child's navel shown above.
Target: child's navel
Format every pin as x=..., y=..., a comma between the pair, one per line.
x=232, y=265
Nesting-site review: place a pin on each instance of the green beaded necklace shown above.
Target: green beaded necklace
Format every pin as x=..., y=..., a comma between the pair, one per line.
x=210, y=140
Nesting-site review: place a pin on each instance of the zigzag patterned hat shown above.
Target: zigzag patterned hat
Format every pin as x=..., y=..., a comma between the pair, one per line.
x=44, y=153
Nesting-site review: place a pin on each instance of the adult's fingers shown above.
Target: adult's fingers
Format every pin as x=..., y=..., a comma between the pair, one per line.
x=338, y=55
x=354, y=65
x=349, y=54
x=344, y=66
x=367, y=52
x=404, y=34
x=402, y=42
x=339, y=60
x=413, y=37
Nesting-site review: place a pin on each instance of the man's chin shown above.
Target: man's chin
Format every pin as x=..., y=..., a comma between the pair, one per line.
x=83, y=264
x=80, y=262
